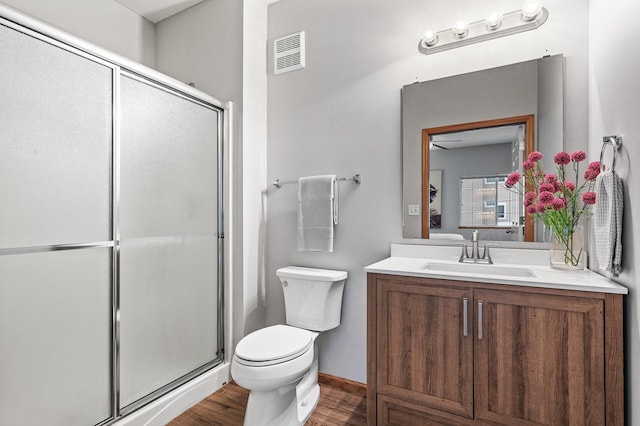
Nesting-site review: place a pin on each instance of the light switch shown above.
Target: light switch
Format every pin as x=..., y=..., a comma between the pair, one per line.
x=414, y=210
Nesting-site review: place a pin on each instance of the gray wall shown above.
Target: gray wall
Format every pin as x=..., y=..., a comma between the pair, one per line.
x=107, y=24
x=203, y=45
x=341, y=114
x=614, y=90
x=466, y=162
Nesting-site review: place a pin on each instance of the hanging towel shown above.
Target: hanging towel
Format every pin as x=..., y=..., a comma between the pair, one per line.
x=317, y=212
x=608, y=221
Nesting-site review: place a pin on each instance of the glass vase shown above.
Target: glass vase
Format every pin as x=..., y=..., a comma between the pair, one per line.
x=567, y=250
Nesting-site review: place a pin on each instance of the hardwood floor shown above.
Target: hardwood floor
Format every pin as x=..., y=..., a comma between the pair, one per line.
x=337, y=407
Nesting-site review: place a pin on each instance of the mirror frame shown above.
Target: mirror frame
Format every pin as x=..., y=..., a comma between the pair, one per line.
x=526, y=120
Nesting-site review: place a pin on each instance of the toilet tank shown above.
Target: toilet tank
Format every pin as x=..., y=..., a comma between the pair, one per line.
x=312, y=297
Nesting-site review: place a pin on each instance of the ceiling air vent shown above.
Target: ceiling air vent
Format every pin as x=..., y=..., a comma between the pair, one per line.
x=288, y=53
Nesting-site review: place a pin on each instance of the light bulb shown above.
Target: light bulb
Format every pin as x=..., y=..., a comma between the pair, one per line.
x=429, y=38
x=460, y=29
x=493, y=21
x=530, y=10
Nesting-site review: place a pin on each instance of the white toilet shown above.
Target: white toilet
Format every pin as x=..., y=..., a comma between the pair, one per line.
x=279, y=364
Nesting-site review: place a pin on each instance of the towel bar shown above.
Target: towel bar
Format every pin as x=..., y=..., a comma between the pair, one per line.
x=278, y=183
x=616, y=143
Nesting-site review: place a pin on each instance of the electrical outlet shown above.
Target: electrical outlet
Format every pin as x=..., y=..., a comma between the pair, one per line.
x=414, y=210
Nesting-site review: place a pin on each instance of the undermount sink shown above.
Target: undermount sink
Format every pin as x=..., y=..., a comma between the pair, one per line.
x=474, y=268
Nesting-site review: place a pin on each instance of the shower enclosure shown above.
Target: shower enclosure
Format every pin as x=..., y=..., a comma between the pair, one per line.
x=111, y=231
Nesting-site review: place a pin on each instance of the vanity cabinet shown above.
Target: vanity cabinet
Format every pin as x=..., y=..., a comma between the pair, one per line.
x=459, y=353
x=424, y=355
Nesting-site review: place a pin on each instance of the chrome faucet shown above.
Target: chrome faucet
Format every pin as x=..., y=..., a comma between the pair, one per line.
x=475, y=251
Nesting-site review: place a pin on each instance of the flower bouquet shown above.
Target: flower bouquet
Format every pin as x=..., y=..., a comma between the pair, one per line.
x=556, y=200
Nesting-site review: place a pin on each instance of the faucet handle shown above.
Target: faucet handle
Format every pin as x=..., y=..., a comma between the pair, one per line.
x=486, y=254
x=464, y=254
x=474, y=236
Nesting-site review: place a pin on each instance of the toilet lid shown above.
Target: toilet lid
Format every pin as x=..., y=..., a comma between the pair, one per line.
x=278, y=342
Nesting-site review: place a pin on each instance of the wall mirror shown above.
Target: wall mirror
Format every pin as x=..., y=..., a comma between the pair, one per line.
x=462, y=135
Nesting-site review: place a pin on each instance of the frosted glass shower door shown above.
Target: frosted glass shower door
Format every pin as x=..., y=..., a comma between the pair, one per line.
x=55, y=230
x=55, y=134
x=168, y=216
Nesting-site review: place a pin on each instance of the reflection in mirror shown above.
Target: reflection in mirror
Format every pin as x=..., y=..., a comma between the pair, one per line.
x=485, y=202
x=481, y=124
x=487, y=148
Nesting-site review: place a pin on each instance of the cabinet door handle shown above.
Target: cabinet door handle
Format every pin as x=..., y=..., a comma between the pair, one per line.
x=480, y=320
x=465, y=309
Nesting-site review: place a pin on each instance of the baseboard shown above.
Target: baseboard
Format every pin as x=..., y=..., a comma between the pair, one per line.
x=341, y=383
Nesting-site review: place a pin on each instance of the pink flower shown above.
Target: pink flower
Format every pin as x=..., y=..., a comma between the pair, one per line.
x=529, y=197
x=562, y=158
x=594, y=165
x=552, y=195
x=591, y=174
x=545, y=197
x=578, y=156
x=534, y=156
x=512, y=179
x=589, y=197
x=593, y=170
x=546, y=187
x=558, y=203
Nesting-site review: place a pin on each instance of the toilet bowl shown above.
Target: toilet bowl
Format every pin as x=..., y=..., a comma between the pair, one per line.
x=277, y=383
x=279, y=364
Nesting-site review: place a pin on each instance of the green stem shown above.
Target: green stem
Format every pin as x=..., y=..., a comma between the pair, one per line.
x=566, y=237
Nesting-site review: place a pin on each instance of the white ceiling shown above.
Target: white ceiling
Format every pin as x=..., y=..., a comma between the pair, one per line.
x=485, y=136
x=157, y=10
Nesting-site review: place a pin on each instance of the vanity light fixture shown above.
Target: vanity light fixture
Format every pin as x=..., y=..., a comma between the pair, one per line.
x=429, y=38
x=493, y=21
x=530, y=17
x=530, y=10
x=460, y=29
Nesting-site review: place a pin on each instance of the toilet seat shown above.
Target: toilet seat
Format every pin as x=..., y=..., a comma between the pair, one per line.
x=273, y=345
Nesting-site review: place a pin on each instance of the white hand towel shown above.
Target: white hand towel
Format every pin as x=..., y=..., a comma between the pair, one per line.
x=317, y=213
x=608, y=221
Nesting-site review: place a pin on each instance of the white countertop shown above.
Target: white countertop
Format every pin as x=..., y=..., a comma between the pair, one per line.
x=415, y=261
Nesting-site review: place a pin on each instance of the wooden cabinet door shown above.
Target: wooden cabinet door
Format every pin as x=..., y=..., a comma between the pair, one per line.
x=539, y=359
x=424, y=356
